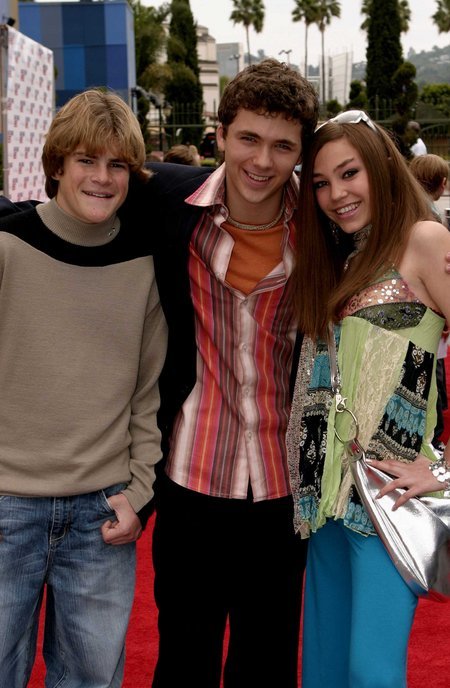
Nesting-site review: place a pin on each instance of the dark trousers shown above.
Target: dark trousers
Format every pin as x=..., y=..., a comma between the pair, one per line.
x=223, y=558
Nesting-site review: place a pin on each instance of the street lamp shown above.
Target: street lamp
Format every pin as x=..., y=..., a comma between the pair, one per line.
x=155, y=100
x=287, y=53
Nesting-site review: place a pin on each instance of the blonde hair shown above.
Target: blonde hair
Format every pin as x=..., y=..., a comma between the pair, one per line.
x=97, y=120
x=430, y=171
x=321, y=288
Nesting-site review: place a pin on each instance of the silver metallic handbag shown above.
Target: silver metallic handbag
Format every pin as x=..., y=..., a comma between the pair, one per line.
x=417, y=534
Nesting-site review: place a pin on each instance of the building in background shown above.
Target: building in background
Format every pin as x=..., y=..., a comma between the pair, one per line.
x=209, y=73
x=230, y=57
x=92, y=43
x=338, y=77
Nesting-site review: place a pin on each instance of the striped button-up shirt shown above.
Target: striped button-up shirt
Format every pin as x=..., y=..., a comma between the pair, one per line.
x=231, y=429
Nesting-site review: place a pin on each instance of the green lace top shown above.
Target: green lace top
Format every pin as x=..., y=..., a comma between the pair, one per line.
x=387, y=342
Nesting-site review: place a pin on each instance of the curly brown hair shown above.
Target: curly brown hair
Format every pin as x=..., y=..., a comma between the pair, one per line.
x=271, y=87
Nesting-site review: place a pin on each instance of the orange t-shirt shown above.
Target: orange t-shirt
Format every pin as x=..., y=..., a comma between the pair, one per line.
x=255, y=254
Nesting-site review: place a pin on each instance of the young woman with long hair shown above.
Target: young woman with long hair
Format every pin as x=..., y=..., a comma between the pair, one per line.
x=370, y=263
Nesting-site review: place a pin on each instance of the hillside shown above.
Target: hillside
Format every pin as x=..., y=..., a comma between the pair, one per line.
x=433, y=66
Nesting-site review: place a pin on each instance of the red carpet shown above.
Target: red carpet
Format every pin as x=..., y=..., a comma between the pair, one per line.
x=429, y=655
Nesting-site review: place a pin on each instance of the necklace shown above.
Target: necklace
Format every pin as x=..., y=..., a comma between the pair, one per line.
x=256, y=228
x=359, y=241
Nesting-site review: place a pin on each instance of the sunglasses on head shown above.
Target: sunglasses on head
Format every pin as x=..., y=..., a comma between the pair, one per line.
x=350, y=117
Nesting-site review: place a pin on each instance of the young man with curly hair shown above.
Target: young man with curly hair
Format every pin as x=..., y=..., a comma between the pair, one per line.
x=224, y=545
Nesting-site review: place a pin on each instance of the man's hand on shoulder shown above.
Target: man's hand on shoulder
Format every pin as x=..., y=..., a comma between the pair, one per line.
x=127, y=527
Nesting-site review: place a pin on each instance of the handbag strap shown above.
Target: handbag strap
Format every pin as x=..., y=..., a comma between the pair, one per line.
x=352, y=444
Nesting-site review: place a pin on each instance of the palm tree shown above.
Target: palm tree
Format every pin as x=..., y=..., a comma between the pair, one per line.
x=306, y=11
x=442, y=16
x=403, y=9
x=326, y=10
x=249, y=13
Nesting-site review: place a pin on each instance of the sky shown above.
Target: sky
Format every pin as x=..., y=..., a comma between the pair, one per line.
x=280, y=33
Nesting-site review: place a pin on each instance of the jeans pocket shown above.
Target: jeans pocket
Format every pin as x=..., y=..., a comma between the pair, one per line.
x=109, y=492
x=105, y=503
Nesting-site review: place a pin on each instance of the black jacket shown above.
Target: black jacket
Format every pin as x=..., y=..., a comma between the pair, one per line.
x=171, y=227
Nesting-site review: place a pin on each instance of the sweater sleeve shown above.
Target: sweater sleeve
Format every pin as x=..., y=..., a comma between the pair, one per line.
x=145, y=445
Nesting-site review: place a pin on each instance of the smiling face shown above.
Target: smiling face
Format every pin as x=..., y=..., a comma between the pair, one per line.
x=341, y=185
x=92, y=187
x=261, y=152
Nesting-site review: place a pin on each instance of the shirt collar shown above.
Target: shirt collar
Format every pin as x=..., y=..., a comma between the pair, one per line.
x=212, y=192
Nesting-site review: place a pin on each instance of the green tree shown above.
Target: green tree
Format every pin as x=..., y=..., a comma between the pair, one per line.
x=438, y=96
x=223, y=81
x=405, y=88
x=333, y=108
x=150, y=39
x=442, y=16
x=325, y=11
x=183, y=90
x=384, y=51
x=149, y=34
x=403, y=8
x=182, y=43
x=357, y=96
x=249, y=13
x=305, y=11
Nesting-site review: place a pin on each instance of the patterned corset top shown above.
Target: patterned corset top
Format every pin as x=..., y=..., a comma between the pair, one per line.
x=387, y=303
x=386, y=342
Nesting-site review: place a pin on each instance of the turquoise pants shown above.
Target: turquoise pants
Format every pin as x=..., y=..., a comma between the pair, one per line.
x=358, y=613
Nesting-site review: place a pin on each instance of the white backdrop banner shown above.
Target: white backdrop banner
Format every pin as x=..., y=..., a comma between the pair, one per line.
x=28, y=88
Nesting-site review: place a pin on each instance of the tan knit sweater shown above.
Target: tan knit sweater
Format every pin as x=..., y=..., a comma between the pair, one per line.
x=82, y=343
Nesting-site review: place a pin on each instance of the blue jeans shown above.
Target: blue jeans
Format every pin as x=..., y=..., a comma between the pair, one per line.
x=90, y=589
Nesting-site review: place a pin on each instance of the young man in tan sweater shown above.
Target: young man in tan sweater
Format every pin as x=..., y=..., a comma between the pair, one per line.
x=83, y=341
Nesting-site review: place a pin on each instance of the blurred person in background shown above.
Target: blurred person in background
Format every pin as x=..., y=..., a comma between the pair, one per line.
x=182, y=154
x=431, y=171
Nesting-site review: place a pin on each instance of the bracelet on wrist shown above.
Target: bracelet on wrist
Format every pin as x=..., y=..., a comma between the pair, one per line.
x=441, y=471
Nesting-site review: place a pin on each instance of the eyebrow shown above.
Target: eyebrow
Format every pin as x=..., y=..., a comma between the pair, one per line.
x=338, y=167
x=248, y=132
x=82, y=151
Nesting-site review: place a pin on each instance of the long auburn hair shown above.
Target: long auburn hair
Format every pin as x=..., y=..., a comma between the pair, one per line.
x=321, y=287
